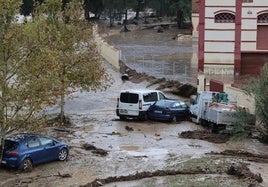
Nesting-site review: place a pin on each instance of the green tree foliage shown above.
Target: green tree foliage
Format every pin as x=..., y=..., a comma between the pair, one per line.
x=42, y=60
x=182, y=9
x=94, y=6
x=77, y=57
x=113, y=9
x=243, y=126
x=258, y=87
x=26, y=82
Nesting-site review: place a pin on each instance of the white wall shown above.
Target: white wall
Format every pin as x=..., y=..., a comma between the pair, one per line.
x=108, y=52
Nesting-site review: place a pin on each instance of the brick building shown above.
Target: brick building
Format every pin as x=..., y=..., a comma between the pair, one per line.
x=232, y=35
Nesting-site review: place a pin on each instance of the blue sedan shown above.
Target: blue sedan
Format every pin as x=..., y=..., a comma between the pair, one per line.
x=168, y=110
x=23, y=151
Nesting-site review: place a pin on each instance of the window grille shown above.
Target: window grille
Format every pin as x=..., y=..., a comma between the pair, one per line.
x=224, y=18
x=263, y=18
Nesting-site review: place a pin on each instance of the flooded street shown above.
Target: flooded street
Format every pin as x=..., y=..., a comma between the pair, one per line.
x=159, y=54
x=152, y=154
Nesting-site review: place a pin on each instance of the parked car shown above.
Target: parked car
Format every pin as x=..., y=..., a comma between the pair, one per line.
x=168, y=110
x=135, y=103
x=22, y=151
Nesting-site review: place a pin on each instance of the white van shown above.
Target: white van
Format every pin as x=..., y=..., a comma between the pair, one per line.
x=135, y=103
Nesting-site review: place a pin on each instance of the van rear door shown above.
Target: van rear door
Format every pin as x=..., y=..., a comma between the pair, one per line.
x=129, y=104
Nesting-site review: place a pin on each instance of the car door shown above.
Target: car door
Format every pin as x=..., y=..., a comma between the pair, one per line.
x=50, y=150
x=35, y=150
x=181, y=110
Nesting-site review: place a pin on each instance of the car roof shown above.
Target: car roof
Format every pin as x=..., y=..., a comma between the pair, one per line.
x=140, y=91
x=20, y=136
x=170, y=100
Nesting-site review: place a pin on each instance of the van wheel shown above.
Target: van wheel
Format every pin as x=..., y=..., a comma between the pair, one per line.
x=145, y=117
x=123, y=118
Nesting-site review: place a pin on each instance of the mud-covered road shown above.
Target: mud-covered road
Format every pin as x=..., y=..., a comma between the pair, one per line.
x=107, y=151
x=153, y=149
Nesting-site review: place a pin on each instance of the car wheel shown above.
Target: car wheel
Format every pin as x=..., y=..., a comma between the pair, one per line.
x=63, y=154
x=213, y=128
x=26, y=165
x=174, y=119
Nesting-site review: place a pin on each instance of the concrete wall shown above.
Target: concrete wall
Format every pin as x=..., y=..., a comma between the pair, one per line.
x=242, y=98
x=108, y=52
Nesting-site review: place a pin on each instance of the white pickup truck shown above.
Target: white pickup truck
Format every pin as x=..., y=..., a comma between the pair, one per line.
x=213, y=109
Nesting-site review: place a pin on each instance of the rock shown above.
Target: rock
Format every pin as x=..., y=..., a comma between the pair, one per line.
x=129, y=128
x=101, y=152
x=88, y=146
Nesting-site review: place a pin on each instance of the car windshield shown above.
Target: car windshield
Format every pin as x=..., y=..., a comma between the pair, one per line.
x=10, y=145
x=183, y=105
x=162, y=103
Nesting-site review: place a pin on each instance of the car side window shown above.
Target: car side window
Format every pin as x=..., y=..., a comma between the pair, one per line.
x=33, y=142
x=161, y=96
x=46, y=141
x=149, y=97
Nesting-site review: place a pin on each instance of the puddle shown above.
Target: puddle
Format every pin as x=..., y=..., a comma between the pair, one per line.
x=129, y=148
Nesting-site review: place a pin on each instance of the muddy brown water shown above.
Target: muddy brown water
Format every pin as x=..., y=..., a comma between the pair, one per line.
x=159, y=54
x=151, y=146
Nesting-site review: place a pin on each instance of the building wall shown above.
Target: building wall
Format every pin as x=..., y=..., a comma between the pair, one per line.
x=219, y=39
x=222, y=44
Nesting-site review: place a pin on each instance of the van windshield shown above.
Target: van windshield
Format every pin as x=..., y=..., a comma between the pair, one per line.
x=129, y=98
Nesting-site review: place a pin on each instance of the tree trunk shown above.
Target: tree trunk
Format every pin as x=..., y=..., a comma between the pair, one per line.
x=138, y=10
x=180, y=19
x=62, y=103
x=86, y=11
x=125, y=22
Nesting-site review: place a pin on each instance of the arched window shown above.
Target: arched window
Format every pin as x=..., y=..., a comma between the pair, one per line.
x=263, y=18
x=262, y=30
x=224, y=18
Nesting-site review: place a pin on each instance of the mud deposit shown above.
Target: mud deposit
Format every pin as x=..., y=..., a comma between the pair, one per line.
x=205, y=135
x=113, y=153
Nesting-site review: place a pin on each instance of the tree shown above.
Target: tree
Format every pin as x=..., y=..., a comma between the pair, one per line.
x=43, y=59
x=113, y=9
x=182, y=9
x=94, y=6
x=26, y=83
x=258, y=87
x=27, y=7
x=139, y=7
x=78, y=58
